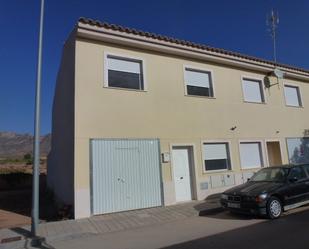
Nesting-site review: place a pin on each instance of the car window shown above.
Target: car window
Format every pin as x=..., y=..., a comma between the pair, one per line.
x=298, y=172
x=270, y=174
x=306, y=167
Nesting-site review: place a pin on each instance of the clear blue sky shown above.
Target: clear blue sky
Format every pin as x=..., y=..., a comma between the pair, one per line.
x=233, y=25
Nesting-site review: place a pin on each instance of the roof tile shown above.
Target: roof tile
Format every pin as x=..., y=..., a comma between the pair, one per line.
x=184, y=43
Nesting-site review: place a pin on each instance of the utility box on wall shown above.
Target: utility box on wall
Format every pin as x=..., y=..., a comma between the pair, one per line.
x=222, y=180
x=166, y=157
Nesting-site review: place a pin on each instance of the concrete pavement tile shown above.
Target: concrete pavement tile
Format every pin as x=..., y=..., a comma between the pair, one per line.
x=87, y=226
x=100, y=226
x=105, y=224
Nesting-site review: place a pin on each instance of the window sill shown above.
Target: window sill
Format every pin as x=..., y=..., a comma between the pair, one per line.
x=124, y=89
x=248, y=169
x=293, y=106
x=197, y=96
x=217, y=171
x=251, y=102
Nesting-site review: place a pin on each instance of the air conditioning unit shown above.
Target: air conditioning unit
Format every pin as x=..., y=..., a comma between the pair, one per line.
x=279, y=74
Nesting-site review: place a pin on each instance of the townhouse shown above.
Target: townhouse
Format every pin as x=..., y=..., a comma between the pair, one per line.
x=143, y=120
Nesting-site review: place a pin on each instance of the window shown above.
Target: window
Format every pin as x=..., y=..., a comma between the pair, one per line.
x=253, y=91
x=217, y=156
x=298, y=150
x=297, y=172
x=198, y=82
x=292, y=96
x=251, y=155
x=307, y=168
x=124, y=73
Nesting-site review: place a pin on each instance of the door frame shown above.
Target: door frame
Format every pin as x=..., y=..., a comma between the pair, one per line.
x=192, y=167
x=266, y=150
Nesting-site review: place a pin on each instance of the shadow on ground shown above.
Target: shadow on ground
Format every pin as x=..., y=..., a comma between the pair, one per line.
x=211, y=207
x=17, y=200
x=288, y=232
x=28, y=241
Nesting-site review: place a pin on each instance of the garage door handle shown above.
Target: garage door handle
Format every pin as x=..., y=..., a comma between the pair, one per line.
x=120, y=179
x=181, y=178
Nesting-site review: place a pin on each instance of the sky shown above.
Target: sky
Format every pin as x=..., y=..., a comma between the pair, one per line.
x=238, y=25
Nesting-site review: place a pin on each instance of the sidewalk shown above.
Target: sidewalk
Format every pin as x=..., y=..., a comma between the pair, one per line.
x=104, y=224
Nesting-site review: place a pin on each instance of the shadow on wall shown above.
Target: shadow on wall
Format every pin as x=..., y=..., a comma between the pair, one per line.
x=16, y=195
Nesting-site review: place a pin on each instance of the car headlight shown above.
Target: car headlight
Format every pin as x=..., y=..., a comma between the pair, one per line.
x=261, y=197
x=224, y=196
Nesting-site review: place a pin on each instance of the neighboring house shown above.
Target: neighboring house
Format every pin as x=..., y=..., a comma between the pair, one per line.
x=143, y=120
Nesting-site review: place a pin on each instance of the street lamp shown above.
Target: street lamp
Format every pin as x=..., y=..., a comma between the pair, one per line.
x=36, y=143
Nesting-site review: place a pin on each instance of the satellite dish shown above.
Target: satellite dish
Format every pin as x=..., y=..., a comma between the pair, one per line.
x=278, y=73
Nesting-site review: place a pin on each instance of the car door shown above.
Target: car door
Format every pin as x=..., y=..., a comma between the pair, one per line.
x=297, y=189
x=306, y=167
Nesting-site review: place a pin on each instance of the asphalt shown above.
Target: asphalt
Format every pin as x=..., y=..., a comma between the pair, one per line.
x=289, y=232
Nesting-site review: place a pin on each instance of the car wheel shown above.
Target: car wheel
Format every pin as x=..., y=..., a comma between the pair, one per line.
x=274, y=208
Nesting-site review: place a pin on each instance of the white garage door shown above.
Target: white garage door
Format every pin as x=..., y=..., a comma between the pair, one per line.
x=125, y=175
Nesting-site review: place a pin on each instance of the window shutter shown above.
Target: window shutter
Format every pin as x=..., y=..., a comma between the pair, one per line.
x=196, y=78
x=250, y=155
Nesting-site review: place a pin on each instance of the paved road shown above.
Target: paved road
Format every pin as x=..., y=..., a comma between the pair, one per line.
x=219, y=231
x=289, y=232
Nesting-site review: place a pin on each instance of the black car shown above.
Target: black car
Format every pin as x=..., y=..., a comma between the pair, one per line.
x=270, y=191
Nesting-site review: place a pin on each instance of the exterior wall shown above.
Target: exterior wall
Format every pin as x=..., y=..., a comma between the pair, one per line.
x=60, y=170
x=164, y=111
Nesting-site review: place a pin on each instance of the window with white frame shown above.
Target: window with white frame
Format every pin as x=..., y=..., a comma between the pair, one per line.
x=292, y=96
x=253, y=90
x=216, y=156
x=198, y=82
x=124, y=73
x=251, y=155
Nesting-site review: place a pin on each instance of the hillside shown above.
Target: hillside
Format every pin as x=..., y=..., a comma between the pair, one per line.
x=13, y=145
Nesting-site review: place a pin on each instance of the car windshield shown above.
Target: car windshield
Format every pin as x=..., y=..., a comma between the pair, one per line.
x=270, y=175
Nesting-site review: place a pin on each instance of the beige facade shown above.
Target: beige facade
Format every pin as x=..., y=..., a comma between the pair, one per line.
x=164, y=111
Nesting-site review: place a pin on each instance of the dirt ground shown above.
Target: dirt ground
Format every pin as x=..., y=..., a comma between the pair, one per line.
x=20, y=167
x=14, y=208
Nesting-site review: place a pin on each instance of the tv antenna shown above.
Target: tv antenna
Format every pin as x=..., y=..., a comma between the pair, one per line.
x=272, y=22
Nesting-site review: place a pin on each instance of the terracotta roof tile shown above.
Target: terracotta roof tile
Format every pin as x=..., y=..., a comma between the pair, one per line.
x=184, y=43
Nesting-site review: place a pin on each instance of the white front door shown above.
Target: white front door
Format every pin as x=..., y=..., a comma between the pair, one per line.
x=181, y=166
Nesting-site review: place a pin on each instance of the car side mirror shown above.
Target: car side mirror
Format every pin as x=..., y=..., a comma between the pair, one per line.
x=293, y=179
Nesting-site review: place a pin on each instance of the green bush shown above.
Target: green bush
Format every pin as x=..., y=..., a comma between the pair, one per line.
x=28, y=159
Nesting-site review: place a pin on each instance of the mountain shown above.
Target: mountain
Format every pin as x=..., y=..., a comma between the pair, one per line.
x=14, y=145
